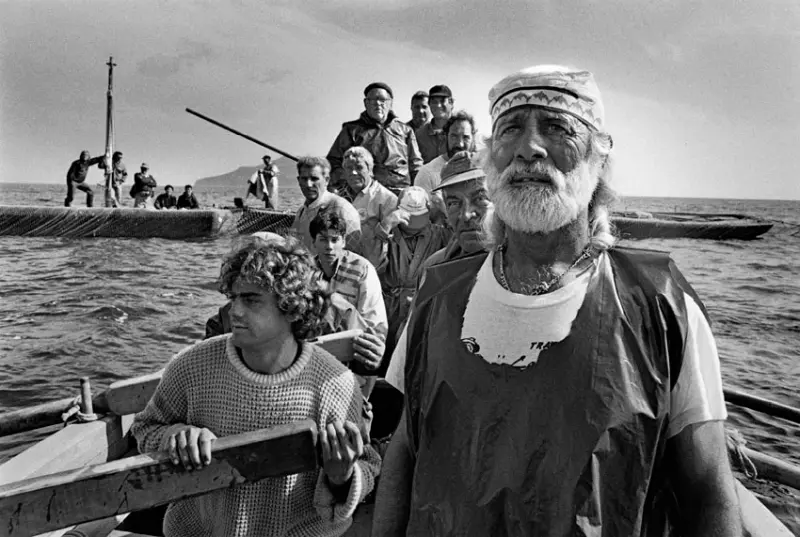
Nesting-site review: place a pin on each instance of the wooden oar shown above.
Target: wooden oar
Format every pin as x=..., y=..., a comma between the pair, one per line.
x=766, y=406
x=243, y=135
x=55, y=501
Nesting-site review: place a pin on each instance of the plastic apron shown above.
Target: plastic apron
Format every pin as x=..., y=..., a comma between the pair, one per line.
x=570, y=446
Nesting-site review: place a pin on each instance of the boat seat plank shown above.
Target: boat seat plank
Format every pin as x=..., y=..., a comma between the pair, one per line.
x=59, y=500
x=131, y=395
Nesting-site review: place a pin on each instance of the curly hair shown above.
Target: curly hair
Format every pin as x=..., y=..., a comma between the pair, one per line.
x=285, y=268
x=326, y=220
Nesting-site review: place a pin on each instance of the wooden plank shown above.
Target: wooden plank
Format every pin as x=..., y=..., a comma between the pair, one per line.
x=96, y=528
x=55, y=501
x=36, y=417
x=71, y=447
x=131, y=396
x=339, y=344
x=758, y=521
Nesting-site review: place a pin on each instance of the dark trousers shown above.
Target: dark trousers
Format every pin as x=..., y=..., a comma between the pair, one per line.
x=71, y=186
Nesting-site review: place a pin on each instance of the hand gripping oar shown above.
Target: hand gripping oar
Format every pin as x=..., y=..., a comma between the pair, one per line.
x=245, y=136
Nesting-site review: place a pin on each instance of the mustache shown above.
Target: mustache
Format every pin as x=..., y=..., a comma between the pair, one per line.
x=541, y=170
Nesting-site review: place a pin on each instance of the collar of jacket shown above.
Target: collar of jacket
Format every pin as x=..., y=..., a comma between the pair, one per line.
x=367, y=119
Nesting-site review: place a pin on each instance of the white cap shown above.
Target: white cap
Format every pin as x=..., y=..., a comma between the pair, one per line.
x=414, y=200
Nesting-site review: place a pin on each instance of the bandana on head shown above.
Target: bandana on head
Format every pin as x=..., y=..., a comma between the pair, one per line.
x=553, y=87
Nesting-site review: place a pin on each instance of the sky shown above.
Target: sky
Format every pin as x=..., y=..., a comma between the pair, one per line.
x=702, y=98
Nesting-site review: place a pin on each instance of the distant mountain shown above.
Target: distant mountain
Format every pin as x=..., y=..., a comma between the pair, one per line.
x=240, y=175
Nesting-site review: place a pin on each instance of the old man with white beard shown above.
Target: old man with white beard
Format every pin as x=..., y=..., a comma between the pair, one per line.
x=558, y=385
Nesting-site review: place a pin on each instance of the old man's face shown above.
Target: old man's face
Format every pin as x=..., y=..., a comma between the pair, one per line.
x=540, y=172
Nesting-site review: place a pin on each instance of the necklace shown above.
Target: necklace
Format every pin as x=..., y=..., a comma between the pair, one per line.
x=545, y=286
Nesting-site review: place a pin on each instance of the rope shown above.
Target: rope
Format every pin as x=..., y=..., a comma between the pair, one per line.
x=736, y=442
x=73, y=413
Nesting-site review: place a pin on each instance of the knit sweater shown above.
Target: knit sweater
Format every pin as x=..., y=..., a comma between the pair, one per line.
x=208, y=385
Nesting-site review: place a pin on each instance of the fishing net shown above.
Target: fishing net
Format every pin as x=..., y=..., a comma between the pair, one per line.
x=80, y=222
x=252, y=220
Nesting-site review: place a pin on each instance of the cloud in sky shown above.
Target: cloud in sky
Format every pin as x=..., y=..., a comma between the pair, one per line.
x=700, y=100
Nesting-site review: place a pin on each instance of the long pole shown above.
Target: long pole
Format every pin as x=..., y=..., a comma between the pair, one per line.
x=243, y=135
x=110, y=197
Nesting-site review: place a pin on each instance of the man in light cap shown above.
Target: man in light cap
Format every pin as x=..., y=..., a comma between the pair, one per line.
x=144, y=186
x=557, y=385
x=391, y=142
x=410, y=239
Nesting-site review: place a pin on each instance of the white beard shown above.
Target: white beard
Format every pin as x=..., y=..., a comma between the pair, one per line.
x=540, y=207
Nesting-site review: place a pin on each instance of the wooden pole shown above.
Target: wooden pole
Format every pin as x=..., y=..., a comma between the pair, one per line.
x=245, y=136
x=766, y=406
x=110, y=196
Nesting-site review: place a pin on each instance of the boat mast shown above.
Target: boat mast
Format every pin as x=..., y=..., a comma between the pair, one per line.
x=111, y=200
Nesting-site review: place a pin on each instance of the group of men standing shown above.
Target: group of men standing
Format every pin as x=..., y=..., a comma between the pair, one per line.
x=142, y=191
x=553, y=382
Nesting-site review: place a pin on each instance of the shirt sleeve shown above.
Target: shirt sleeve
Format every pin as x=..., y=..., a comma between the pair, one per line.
x=395, y=374
x=424, y=179
x=697, y=396
x=370, y=302
x=166, y=412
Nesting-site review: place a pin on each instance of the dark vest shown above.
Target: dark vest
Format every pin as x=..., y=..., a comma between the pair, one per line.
x=573, y=445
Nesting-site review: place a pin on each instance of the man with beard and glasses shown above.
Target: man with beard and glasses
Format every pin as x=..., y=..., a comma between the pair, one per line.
x=313, y=174
x=558, y=384
x=390, y=141
x=372, y=200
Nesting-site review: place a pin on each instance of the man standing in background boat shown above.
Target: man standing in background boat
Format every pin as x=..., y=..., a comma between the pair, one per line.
x=431, y=137
x=557, y=385
x=144, y=186
x=372, y=200
x=420, y=111
x=390, y=141
x=76, y=178
x=313, y=174
x=119, y=173
x=263, y=184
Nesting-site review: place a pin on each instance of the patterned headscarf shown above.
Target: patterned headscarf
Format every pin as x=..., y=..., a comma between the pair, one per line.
x=553, y=87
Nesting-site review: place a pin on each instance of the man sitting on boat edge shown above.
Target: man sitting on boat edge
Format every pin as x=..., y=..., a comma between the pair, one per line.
x=575, y=388
x=261, y=375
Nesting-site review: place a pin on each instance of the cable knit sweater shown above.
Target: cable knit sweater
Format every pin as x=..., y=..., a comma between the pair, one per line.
x=208, y=385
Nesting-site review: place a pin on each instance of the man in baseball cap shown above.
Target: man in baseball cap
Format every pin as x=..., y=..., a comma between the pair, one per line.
x=431, y=137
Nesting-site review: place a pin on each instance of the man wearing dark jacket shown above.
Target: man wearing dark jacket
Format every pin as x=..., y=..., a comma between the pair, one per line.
x=144, y=186
x=187, y=200
x=391, y=142
x=76, y=175
x=167, y=200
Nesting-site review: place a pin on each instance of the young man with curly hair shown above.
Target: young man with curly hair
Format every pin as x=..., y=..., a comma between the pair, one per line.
x=262, y=375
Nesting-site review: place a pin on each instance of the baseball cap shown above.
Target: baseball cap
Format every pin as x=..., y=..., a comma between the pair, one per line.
x=144, y=165
x=414, y=200
x=440, y=91
x=463, y=166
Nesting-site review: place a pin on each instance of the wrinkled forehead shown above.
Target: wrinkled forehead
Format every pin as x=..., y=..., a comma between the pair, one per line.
x=526, y=113
x=314, y=172
x=466, y=188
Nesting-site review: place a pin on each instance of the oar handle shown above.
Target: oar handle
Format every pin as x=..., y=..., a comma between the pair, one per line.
x=243, y=135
